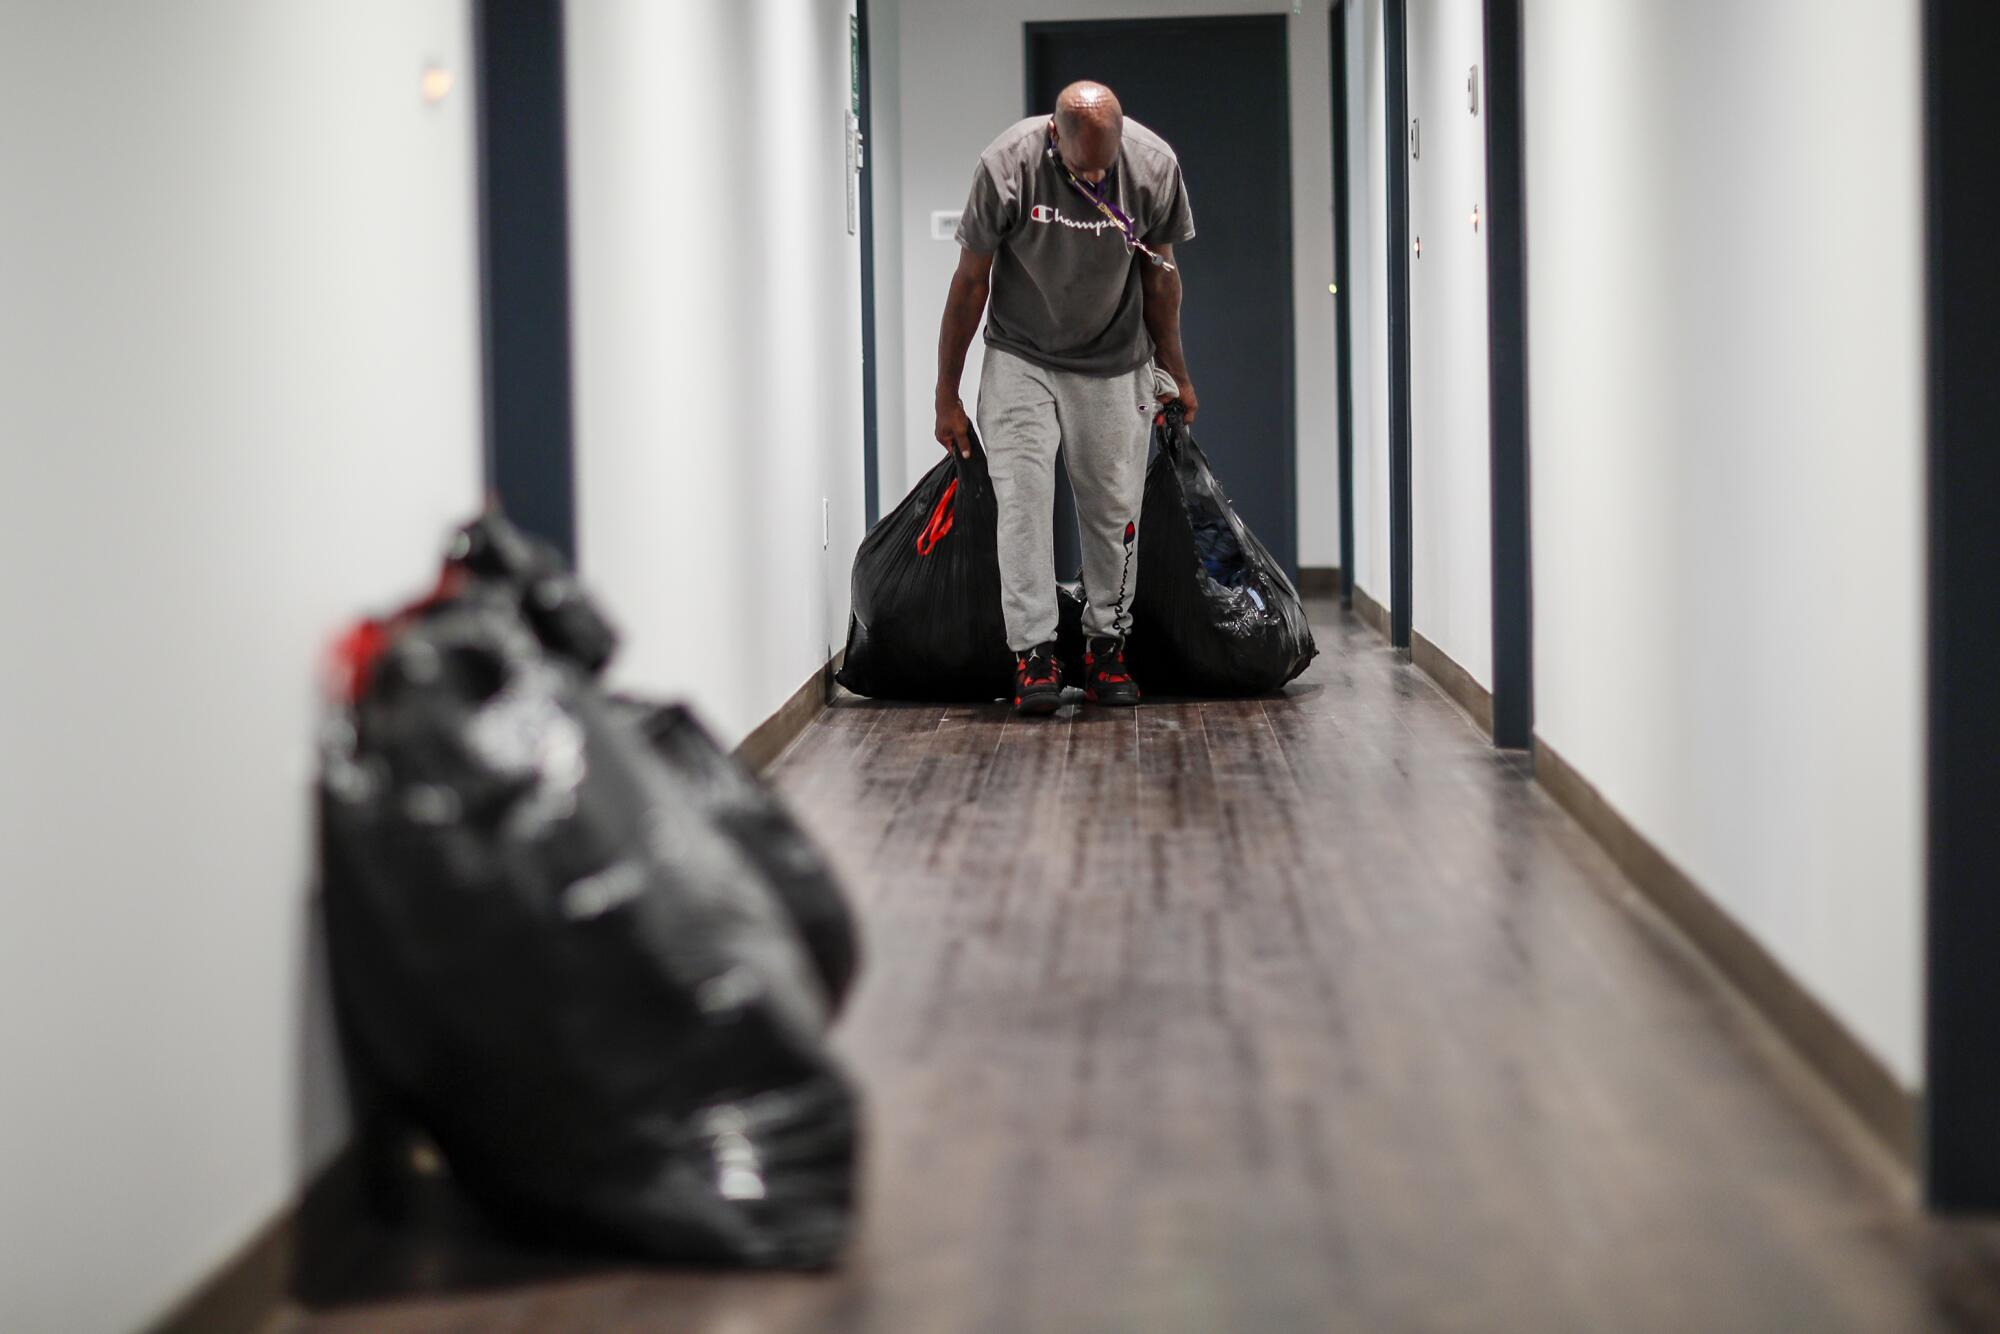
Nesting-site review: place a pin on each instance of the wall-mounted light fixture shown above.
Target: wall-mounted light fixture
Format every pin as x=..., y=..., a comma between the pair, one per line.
x=435, y=84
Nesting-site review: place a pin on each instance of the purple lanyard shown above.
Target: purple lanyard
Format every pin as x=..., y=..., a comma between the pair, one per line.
x=1126, y=227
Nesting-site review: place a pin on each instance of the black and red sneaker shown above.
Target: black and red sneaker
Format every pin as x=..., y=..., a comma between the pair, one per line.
x=1037, y=680
x=1105, y=680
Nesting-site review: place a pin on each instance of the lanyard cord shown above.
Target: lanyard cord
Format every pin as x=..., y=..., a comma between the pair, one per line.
x=1126, y=227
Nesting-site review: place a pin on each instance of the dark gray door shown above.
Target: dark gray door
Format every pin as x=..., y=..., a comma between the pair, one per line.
x=1216, y=90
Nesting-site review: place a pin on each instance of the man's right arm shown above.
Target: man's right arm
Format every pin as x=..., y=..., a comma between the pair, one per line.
x=963, y=306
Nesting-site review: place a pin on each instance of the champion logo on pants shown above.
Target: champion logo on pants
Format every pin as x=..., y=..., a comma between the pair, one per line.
x=1125, y=573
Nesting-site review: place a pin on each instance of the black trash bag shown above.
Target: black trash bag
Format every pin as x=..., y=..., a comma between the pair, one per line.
x=715, y=783
x=926, y=622
x=1213, y=613
x=568, y=621
x=563, y=616
x=560, y=967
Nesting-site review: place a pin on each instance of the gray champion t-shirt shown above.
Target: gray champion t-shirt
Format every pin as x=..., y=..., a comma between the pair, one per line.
x=1065, y=290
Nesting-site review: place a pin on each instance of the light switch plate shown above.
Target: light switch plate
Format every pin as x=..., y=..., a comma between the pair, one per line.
x=944, y=224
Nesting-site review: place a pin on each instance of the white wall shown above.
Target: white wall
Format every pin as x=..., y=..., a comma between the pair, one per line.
x=1726, y=394
x=962, y=77
x=893, y=414
x=1368, y=271
x=1451, y=600
x=717, y=321
x=239, y=398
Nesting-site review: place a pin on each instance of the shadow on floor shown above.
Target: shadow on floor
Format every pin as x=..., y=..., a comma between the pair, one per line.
x=1073, y=701
x=345, y=1255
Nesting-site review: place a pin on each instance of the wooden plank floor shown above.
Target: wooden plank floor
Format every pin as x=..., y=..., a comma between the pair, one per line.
x=1309, y=1013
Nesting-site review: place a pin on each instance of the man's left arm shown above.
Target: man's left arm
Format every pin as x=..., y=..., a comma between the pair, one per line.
x=1161, y=288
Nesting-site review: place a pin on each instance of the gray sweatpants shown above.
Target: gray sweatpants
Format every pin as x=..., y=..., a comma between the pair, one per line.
x=1103, y=425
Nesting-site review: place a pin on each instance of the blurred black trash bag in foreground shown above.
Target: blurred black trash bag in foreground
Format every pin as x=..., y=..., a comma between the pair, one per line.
x=548, y=952
x=719, y=787
x=568, y=622
x=1213, y=613
x=926, y=623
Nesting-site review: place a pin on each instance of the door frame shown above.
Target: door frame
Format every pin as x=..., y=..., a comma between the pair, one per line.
x=1396, y=122
x=1289, y=477
x=530, y=449
x=1961, y=1154
x=1507, y=377
x=1343, y=300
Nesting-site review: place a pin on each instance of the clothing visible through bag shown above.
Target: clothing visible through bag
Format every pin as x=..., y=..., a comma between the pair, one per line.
x=1214, y=613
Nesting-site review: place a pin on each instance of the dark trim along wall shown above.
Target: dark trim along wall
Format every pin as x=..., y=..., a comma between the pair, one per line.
x=524, y=266
x=1513, y=712
x=1961, y=1057
x=1402, y=552
x=1344, y=322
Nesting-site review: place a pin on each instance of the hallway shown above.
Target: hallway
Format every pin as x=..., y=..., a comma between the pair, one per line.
x=1350, y=1028
x=1598, y=936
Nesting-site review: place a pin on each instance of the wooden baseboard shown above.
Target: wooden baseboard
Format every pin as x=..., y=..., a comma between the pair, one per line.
x=1371, y=611
x=1455, y=681
x=257, y=1283
x=770, y=737
x=240, y=1296
x=1435, y=663
x=1889, y=1111
x=1319, y=581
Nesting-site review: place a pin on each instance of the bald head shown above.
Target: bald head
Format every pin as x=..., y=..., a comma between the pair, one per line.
x=1090, y=125
x=1088, y=104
